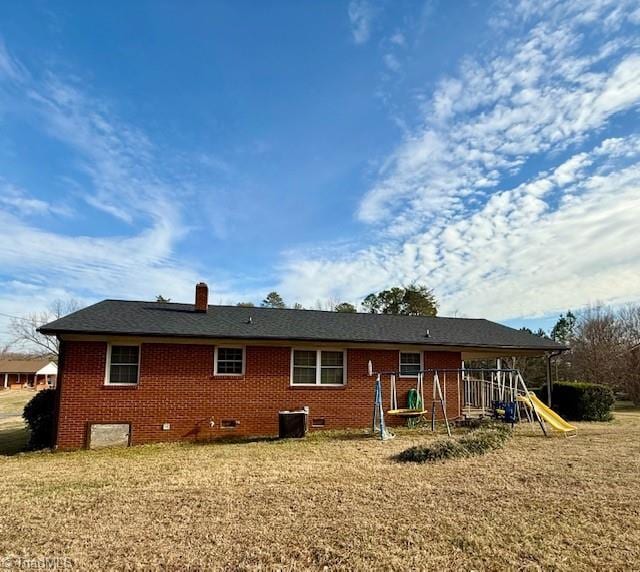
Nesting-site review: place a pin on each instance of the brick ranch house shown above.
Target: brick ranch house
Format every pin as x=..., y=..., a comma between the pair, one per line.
x=167, y=371
x=33, y=373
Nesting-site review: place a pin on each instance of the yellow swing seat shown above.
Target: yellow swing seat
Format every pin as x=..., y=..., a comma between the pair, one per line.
x=406, y=412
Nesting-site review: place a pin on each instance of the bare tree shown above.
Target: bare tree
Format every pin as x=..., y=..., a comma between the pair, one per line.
x=596, y=347
x=325, y=305
x=629, y=318
x=25, y=329
x=632, y=380
x=605, y=349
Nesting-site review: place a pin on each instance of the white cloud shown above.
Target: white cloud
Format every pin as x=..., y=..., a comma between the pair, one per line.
x=398, y=39
x=19, y=201
x=10, y=68
x=120, y=266
x=361, y=15
x=127, y=179
x=438, y=208
x=392, y=62
x=541, y=95
x=119, y=160
x=516, y=256
x=126, y=183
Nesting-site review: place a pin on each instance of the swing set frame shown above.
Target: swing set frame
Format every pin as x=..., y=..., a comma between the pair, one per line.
x=503, y=384
x=439, y=397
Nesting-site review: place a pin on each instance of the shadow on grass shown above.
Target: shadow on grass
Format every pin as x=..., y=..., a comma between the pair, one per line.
x=342, y=436
x=625, y=406
x=231, y=440
x=311, y=437
x=13, y=439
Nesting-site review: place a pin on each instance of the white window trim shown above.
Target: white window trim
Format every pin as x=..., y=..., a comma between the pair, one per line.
x=400, y=352
x=319, y=367
x=107, y=371
x=229, y=347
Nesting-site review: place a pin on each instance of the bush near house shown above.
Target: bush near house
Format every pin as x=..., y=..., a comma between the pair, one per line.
x=579, y=401
x=38, y=414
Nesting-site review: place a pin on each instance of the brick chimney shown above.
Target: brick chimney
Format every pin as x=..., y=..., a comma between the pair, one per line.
x=202, y=297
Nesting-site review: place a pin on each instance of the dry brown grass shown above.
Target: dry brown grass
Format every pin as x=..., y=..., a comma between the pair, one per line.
x=333, y=500
x=12, y=401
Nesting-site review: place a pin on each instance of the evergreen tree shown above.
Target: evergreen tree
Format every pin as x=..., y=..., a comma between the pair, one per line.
x=273, y=300
x=345, y=307
x=414, y=300
x=563, y=330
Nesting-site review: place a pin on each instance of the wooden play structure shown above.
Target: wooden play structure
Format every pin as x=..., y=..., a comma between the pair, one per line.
x=492, y=393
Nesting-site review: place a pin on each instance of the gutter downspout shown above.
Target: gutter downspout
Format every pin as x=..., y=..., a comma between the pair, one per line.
x=550, y=356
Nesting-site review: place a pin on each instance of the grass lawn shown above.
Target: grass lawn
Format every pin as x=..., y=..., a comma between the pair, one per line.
x=12, y=401
x=335, y=500
x=13, y=432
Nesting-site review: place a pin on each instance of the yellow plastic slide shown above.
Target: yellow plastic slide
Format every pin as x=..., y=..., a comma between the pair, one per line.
x=548, y=414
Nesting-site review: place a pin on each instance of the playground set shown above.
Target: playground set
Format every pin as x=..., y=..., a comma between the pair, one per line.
x=492, y=393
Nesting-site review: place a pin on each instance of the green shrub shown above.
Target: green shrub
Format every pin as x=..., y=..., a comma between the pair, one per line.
x=476, y=442
x=541, y=393
x=39, y=415
x=577, y=401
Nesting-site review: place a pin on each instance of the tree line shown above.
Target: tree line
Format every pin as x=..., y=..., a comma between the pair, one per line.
x=604, y=347
x=412, y=300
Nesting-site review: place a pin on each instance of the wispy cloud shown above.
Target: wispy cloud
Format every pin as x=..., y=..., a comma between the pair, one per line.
x=392, y=62
x=10, y=68
x=120, y=172
x=361, y=14
x=443, y=203
x=398, y=39
x=119, y=160
x=20, y=202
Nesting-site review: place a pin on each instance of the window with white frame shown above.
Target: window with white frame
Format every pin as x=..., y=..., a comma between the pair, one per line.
x=123, y=365
x=318, y=367
x=410, y=363
x=229, y=361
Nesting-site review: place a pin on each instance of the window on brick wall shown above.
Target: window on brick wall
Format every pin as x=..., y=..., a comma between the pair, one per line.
x=318, y=367
x=123, y=365
x=410, y=363
x=229, y=361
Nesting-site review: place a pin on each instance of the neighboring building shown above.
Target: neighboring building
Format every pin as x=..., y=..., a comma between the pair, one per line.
x=37, y=373
x=164, y=371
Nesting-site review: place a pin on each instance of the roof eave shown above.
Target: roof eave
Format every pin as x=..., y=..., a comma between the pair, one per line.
x=545, y=348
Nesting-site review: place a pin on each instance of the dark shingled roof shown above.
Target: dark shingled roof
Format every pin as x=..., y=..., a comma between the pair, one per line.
x=180, y=320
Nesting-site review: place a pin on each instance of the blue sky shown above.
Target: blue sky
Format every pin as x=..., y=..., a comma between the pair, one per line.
x=323, y=149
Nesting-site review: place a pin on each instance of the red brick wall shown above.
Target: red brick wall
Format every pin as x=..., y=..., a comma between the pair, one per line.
x=177, y=386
